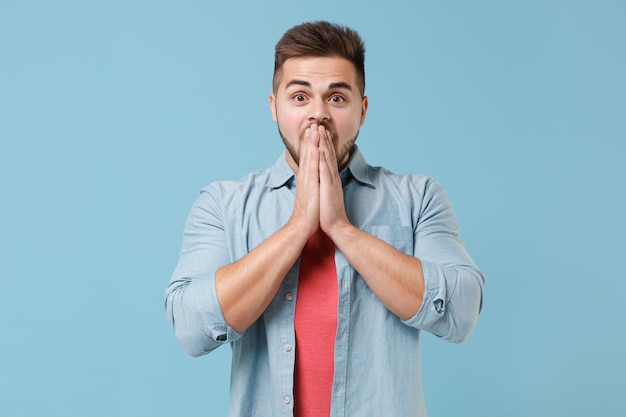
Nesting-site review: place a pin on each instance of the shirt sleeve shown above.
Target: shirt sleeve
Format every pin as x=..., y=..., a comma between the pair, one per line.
x=453, y=283
x=191, y=301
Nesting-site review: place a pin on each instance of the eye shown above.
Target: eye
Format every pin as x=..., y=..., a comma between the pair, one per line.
x=336, y=98
x=299, y=97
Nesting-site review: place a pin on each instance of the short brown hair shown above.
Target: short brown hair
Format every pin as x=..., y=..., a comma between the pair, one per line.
x=321, y=39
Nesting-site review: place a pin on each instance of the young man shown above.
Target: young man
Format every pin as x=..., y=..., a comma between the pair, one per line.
x=321, y=271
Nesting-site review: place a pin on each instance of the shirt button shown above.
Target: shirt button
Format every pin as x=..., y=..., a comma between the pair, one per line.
x=289, y=296
x=286, y=400
x=287, y=348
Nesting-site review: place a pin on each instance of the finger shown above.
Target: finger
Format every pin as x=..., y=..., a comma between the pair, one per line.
x=309, y=164
x=327, y=151
x=307, y=178
x=315, y=134
x=331, y=149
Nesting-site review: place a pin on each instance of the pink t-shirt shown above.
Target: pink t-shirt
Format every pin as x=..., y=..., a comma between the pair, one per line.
x=316, y=327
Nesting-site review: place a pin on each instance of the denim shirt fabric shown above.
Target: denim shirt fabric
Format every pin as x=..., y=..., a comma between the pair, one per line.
x=377, y=354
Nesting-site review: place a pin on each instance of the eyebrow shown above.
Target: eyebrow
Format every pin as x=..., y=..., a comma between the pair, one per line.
x=331, y=86
x=342, y=84
x=298, y=82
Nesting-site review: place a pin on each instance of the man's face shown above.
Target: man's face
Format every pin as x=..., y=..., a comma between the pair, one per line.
x=320, y=90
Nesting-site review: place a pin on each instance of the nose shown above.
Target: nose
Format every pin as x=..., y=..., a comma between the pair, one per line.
x=319, y=111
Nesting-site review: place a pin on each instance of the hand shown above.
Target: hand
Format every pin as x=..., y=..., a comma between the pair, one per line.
x=332, y=207
x=307, y=203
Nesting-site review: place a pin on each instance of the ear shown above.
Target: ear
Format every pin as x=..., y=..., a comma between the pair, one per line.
x=272, y=103
x=364, y=109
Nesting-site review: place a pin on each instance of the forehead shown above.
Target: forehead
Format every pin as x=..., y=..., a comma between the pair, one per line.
x=318, y=71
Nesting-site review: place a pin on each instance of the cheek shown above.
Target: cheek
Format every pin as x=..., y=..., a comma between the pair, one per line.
x=287, y=124
x=290, y=121
x=349, y=124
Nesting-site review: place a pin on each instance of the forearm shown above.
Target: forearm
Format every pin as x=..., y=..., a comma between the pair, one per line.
x=246, y=287
x=394, y=277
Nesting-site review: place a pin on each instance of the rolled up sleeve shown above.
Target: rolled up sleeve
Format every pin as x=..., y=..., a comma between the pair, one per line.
x=453, y=283
x=191, y=301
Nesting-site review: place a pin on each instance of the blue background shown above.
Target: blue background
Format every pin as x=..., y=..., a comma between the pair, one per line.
x=113, y=114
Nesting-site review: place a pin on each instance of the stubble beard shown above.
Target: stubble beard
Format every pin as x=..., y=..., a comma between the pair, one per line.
x=341, y=154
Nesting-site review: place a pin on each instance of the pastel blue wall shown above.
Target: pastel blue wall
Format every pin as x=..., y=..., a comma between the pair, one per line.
x=113, y=114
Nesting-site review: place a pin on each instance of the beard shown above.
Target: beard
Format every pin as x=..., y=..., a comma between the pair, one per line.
x=346, y=148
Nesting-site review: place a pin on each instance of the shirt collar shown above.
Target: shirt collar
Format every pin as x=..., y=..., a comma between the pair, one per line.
x=357, y=168
x=280, y=173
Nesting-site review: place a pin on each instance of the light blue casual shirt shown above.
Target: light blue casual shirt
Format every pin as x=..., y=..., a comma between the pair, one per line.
x=377, y=355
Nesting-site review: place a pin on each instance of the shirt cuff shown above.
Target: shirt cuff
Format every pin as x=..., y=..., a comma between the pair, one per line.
x=222, y=333
x=434, y=302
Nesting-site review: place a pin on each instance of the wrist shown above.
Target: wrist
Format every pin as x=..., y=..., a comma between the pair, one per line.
x=300, y=229
x=341, y=232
